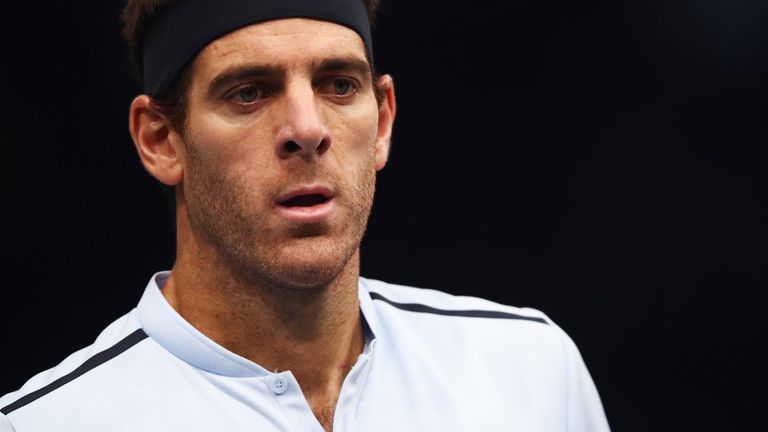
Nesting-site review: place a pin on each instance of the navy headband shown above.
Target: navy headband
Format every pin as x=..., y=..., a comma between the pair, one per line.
x=178, y=32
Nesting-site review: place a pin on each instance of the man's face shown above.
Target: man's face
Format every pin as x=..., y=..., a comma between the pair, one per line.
x=277, y=109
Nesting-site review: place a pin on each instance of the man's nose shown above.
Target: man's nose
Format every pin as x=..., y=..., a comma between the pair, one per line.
x=302, y=130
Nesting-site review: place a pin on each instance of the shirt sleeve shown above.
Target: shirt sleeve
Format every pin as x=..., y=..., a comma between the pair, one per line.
x=5, y=425
x=585, y=410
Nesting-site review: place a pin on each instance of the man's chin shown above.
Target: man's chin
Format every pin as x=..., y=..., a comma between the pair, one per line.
x=306, y=265
x=305, y=275
x=302, y=263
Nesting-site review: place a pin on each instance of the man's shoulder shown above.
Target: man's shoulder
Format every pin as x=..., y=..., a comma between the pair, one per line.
x=440, y=303
x=114, y=340
x=420, y=314
x=519, y=349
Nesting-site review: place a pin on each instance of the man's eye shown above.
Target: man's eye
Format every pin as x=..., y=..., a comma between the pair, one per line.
x=247, y=95
x=341, y=87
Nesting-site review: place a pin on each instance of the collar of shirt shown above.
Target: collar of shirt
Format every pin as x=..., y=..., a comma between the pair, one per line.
x=169, y=329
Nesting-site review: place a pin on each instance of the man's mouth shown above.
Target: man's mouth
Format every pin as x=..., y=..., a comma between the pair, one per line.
x=306, y=204
x=304, y=200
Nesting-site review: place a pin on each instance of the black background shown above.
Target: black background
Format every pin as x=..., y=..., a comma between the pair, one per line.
x=601, y=161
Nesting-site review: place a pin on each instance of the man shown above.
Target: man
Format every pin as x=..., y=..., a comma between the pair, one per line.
x=266, y=119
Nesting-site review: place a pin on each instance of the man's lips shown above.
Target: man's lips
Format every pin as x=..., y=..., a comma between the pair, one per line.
x=306, y=204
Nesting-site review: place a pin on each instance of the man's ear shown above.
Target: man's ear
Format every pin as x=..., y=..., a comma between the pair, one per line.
x=387, y=111
x=158, y=145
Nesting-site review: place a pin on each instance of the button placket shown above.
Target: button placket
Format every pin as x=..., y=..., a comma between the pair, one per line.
x=289, y=397
x=277, y=384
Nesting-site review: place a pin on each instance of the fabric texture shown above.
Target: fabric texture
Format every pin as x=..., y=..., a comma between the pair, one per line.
x=432, y=361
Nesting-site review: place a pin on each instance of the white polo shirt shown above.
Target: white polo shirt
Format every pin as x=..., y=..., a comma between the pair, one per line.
x=432, y=362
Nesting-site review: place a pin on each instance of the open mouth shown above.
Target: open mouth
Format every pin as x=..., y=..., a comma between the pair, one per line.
x=304, y=200
x=307, y=204
x=305, y=196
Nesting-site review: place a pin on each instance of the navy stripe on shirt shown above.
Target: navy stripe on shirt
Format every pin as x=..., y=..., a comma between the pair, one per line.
x=93, y=362
x=416, y=307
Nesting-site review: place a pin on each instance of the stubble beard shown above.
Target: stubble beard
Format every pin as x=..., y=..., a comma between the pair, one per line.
x=224, y=211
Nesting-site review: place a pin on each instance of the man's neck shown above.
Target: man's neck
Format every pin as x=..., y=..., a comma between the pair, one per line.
x=316, y=333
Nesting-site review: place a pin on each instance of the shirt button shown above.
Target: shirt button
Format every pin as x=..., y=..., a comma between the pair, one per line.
x=278, y=385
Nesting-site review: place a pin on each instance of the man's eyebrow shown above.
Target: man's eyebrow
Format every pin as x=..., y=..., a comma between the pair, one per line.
x=247, y=72
x=243, y=73
x=337, y=64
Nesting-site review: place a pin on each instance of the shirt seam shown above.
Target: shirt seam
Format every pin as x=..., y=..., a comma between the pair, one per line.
x=7, y=421
x=566, y=361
